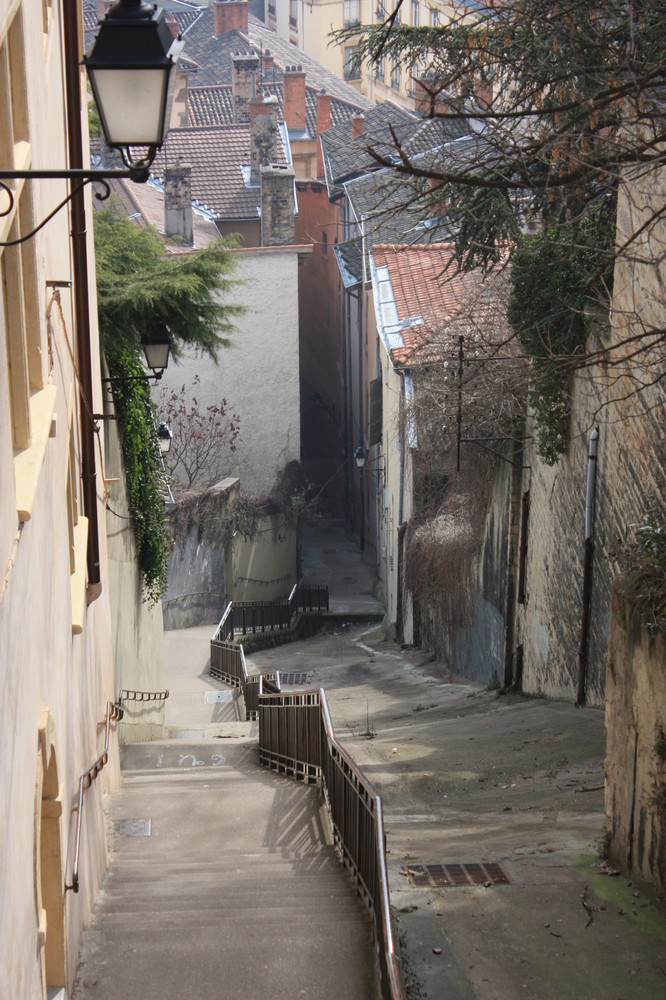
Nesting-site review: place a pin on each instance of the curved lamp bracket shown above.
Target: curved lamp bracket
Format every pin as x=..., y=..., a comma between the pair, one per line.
x=135, y=170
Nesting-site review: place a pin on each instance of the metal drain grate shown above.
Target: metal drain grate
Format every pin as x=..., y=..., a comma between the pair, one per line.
x=294, y=678
x=134, y=827
x=470, y=873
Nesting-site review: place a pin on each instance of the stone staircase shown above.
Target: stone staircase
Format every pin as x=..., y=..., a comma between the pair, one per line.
x=222, y=885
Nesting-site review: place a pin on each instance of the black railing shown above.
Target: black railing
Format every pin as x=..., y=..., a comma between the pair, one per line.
x=249, y=617
x=296, y=737
x=227, y=659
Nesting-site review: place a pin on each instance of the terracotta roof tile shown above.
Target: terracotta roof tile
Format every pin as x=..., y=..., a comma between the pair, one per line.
x=427, y=286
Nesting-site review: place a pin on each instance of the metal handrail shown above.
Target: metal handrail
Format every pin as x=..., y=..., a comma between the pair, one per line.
x=328, y=760
x=114, y=713
x=129, y=695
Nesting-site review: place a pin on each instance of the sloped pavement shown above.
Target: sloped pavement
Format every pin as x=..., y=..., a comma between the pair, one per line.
x=467, y=775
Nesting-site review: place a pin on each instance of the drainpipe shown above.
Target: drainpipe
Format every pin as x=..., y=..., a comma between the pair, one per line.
x=587, y=566
x=70, y=12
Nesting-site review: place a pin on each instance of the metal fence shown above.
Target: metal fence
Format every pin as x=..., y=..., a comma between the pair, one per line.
x=249, y=617
x=296, y=737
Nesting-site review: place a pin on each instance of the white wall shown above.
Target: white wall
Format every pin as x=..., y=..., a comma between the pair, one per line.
x=259, y=374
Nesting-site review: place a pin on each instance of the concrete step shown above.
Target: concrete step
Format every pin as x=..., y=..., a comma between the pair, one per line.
x=236, y=894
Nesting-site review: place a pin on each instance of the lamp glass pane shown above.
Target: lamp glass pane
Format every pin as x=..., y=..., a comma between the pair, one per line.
x=131, y=104
x=157, y=355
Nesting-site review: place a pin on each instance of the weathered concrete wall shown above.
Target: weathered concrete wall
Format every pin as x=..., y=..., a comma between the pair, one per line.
x=626, y=400
x=636, y=748
x=137, y=629
x=480, y=649
x=263, y=567
x=196, y=592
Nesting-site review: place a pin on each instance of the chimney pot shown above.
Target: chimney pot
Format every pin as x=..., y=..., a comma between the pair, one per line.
x=357, y=124
x=323, y=125
x=293, y=85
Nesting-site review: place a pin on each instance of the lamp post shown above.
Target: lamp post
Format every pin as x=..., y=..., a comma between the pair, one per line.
x=131, y=66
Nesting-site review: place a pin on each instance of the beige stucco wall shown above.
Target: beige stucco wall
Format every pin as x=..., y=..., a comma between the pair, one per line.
x=316, y=20
x=259, y=374
x=137, y=629
x=48, y=673
x=635, y=751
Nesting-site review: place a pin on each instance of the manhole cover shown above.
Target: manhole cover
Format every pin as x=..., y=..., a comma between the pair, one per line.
x=134, y=827
x=214, y=697
x=451, y=875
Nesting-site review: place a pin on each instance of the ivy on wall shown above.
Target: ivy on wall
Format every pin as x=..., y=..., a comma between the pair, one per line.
x=144, y=472
x=558, y=277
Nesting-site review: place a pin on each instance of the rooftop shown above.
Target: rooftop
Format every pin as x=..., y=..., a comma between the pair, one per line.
x=423, y=302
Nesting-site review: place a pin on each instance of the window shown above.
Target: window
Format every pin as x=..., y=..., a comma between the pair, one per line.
x=380, y=71
x=380, y=13
x=352, y=12
x=293, y=13
x=413, y=77
x=352, y=70
x=434, y=18
x=31, y=402
x=415, y=12
x=395, y=76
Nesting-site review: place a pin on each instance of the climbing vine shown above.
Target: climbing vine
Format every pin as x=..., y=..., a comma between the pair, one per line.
x=644, y=559
x=558, y=277
x=144, y=473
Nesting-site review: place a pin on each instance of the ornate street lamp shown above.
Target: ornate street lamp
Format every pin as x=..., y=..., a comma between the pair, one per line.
x=131, y=66
x=164, y=437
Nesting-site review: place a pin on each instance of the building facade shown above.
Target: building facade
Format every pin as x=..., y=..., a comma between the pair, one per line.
x=55, y=622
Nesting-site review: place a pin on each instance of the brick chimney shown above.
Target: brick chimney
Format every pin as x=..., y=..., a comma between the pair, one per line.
x=173, y=24
x=428, y=101
x=229, y=15
x=244, y=67
x=263, y=134
x=323, y=125
x=178, y=202
x=277, y=205
x=267, y=61
x=357, y=124
x=293, y=83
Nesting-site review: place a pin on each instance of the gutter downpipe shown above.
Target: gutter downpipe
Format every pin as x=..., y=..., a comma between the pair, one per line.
x=81, y=295
x=587, y=566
